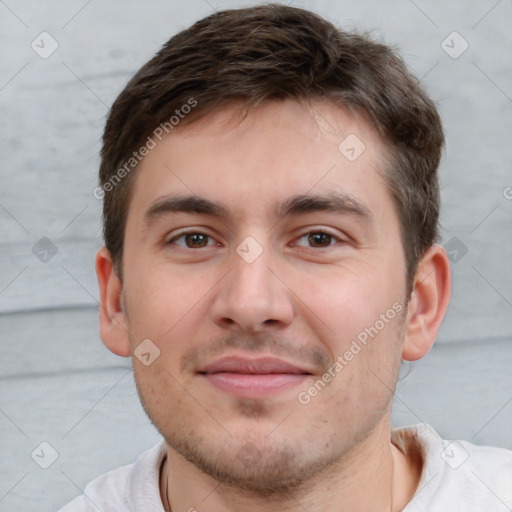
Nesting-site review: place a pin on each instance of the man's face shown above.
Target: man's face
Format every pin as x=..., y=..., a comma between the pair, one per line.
x=252, y=303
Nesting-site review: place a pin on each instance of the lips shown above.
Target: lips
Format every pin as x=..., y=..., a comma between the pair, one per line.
x=259, y=366
x=253, y=377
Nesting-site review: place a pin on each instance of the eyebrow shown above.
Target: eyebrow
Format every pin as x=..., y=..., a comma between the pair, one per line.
x=183, y=204
x=337, y=202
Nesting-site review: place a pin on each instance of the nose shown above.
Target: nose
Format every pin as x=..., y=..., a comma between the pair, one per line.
x=252, y=298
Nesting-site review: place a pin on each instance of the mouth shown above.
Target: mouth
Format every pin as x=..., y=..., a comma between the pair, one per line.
x=253, y=377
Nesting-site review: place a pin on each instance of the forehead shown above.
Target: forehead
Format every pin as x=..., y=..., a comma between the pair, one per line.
x=279, y=149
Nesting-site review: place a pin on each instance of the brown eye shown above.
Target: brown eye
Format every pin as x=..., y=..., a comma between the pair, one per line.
x=192, y=240
x=319, y=239
x=196, y=240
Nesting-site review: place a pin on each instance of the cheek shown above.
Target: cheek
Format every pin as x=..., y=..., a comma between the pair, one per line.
x=162, y=298
x=339, y=303
x=160, y=394
x=364, y=314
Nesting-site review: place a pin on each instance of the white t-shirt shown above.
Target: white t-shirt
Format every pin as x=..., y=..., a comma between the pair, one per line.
x=457, y=477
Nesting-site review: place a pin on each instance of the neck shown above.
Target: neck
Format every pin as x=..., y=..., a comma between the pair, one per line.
x=375, y=476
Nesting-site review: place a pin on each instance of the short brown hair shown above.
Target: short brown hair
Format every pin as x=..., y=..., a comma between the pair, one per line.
x=275, y=52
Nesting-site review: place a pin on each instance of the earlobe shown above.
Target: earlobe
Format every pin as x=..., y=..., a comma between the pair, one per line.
x=113, y=325
x=428, y=304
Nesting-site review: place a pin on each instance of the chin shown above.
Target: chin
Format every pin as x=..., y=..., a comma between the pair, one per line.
x=256, y=464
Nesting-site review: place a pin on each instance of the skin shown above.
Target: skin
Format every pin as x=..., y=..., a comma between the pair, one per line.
x=300, y=299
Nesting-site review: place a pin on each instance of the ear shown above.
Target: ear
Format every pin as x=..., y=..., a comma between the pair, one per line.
x=113, y=324
x=428, y=304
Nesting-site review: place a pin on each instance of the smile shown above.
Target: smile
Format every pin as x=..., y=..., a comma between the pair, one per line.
x=252, y=378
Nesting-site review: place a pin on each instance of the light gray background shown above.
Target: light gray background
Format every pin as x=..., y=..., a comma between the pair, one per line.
x=60, y=385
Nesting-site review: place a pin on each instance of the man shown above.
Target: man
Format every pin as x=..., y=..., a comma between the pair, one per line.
x=271, y=209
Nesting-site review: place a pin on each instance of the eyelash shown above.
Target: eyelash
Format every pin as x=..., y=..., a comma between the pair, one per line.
x=322, y=232
x=316, y=231
x=186, y=233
